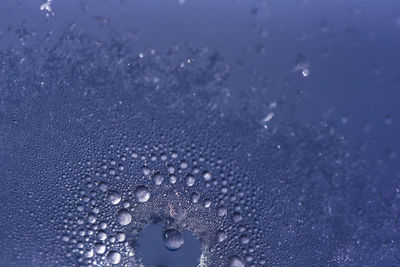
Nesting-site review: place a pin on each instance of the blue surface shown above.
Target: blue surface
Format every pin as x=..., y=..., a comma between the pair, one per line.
x=273, y=124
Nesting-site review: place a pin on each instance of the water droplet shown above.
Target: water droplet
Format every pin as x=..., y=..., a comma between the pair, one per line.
x=142, y=194
x=114, y=197
x=172, y=179
x=146, y=170
x=221, y=236
x=100, y=248
x=237, y=217
x=207, y=176
x=222, y=211
x=173, y=239
x=195, y=197
x=190, y=180
x=157, y=178
x=124, y=217
x=101, y=236
x=207, y=203
x=244, y=239
x=114, y=257
x=121, y=237
x=235, y=261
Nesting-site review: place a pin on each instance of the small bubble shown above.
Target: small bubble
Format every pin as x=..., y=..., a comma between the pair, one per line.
x=235, y=261
x=207, y=176
x=183, y=165
x=114, y=197
x=142, y=194
x=244, y=239
x=157, y=178
x=100, y=248
x=222, y=211
x=114, y=257
x=221, y=236
x=121, y=237
x=124, y=217
x=195, y=197
x=103, y=187
x=145, y=170
x=173, y=239
x=172, y=179
x=101, y=236
x=237, y=217
x=190, y=180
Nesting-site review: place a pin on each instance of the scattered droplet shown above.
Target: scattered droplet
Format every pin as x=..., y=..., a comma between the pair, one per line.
x=114, y=257
x=124, y=217
x=114, y=197
x=221, y=236
x=235, y=261
x=173, y=239
x=157, y=178
x=142, y=194
x=190, y=180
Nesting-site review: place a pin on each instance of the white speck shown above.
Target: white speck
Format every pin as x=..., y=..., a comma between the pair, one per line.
x=267, y=119
x=305, y=73
x=47, y=8
x=273, y=105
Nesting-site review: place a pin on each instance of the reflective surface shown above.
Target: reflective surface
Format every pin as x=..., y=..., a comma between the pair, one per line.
x=269, y=130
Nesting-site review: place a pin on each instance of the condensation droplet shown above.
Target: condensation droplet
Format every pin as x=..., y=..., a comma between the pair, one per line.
x=235, y=261
x=114, y=197
x=124, y=217
x=114, y=257
x=173, y=239
x=142, y=194
x=221, y=236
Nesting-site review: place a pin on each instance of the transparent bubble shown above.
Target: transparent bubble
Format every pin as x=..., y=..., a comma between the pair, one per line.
x=142, y=194
x=173, y=239
x=114, y=197
x=190, y=180
x=100, y=248
x=114, y=257
x=124, y=217
x=221, y=236
x=157, y=178
x=235, y=261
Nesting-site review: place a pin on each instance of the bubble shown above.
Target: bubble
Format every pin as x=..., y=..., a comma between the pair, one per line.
x=183, y=165
x=172, y=179
x=101, y=236
x=100, y=248
x=221, y=236
x=237, y=217
x=207, y=176
x=114, y=257
x=244, y=239
x=145, y=170
x=195, y=197
x=190, y=180
x=124, y=217
x=89, y=253
x=142, y=194
x=207, y=203
x=173, y=239
x=222, y=211
x=235, y=261
x=120, y=237
x=114, y=197
x=157, y=178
